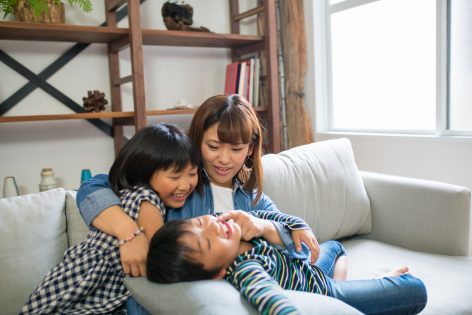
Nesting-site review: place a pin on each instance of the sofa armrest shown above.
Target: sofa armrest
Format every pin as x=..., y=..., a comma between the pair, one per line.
x=419, y=214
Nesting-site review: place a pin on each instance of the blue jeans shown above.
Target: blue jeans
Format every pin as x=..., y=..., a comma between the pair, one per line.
x=133, y=308
x=404, y=294
x=330, y=251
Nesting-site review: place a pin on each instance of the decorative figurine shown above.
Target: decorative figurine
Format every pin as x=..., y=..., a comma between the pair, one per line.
x=94, y=102
x=179, y=17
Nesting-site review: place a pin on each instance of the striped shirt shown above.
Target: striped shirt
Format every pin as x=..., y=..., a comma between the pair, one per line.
x=262, y=273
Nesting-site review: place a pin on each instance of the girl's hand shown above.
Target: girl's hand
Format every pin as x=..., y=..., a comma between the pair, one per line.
x=307, y=237
x=251, y=227
x=133, y=256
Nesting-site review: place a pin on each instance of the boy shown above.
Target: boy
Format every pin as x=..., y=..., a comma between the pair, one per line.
x=208, y=247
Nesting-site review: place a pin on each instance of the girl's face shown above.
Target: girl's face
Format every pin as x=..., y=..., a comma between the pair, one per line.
x=222, y=161
x=215, y=243
x=174, y=187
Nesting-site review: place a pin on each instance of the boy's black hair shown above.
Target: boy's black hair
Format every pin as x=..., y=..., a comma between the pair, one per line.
x=168, y=259
x=156, y=147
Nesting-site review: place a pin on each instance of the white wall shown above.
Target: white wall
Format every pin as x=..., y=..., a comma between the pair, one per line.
x=171, y=74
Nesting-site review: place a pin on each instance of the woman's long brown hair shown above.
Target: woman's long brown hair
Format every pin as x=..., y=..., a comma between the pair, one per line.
x=238, y=123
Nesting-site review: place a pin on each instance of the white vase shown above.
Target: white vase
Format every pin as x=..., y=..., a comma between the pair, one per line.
x=48, y=181
x=10, y=189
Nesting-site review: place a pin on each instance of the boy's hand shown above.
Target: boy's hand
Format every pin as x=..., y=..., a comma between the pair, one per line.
x=251, y=227
x=133, y=256
x=307, y=237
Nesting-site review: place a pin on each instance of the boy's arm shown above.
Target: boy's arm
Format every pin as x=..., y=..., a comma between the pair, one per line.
x=253, y=227
x=290, y=222
x=260, y=289
x=295, y=239
x=301, y=242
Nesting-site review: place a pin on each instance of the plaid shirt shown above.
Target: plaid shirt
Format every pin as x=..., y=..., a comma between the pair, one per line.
x=90, y=279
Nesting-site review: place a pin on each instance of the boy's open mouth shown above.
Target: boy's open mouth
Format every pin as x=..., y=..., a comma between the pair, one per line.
x=228, y=229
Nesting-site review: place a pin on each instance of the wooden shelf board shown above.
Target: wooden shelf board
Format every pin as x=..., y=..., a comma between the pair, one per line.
x=101, y=115
x=60, y=32
x=197, y=39
x=97, y=34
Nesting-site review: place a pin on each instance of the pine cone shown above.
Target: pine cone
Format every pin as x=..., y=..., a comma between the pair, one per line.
x=95, y=101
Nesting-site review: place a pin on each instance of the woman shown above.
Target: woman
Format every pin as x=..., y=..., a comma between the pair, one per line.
x=228, y=134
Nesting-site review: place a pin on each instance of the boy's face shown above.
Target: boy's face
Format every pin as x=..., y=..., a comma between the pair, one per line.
x=216, y=244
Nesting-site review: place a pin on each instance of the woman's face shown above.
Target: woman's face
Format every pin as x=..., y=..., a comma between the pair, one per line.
x=222, y=161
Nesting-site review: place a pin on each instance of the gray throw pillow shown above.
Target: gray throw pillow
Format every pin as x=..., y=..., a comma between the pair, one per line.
x=216, y=297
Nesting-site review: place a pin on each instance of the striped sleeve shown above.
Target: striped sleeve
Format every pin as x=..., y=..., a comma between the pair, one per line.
x=261, y=290
x=290, y=222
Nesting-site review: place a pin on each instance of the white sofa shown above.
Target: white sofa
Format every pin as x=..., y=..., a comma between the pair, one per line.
x=383, y=221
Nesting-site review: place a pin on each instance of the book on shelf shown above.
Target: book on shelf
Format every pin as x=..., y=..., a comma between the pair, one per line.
x=257, y=81
x=250, y=80
x=231, y=78
x=243, y=77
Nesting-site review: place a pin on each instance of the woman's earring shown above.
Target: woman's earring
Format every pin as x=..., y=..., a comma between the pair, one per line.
x=249, y=164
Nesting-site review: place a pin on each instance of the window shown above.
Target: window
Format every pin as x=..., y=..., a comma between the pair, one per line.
x=460, y=65
x=385, y=66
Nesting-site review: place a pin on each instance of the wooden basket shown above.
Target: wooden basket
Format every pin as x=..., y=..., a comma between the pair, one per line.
x=54, y=14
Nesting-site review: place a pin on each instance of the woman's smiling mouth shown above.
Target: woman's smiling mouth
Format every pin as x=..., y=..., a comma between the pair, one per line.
x=222, y=171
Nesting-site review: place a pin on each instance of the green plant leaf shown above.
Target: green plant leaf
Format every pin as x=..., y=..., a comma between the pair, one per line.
x=6, y=6
x=40, y=6
x=85, y=5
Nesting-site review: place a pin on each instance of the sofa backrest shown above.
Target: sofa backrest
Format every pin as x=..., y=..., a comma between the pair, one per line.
x=320, y=183
x=77, y=230
x=33, y=240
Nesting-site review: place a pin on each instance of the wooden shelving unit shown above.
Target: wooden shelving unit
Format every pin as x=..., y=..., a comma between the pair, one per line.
x=120, y=116
x=135, y=37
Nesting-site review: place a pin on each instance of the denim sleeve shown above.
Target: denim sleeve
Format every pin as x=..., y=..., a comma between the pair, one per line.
x=265, y=203
x=94, y=196
x=289, y=247
x=285, y=235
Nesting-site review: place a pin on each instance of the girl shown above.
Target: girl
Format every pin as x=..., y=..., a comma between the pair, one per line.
x=227, y=133
x=156, y=168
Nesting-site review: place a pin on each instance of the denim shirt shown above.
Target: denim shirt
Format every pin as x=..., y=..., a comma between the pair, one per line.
x=96, y=195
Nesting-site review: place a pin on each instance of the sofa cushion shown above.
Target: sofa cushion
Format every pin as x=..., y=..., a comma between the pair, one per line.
x=447, y=279
x=219, y=297
x=320, y=182
x=77, y=230
x=33, y=240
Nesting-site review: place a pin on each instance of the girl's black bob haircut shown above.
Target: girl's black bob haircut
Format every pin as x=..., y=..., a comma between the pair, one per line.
x=153, y=148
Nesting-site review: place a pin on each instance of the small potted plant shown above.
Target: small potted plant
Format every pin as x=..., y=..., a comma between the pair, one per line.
x=42, y=11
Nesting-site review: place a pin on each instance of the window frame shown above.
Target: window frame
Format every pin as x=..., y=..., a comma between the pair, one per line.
x=322, y=11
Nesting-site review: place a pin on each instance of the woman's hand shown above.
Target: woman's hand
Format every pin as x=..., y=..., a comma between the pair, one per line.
x=133, y=256
x=307, y=237
x=251, y=227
